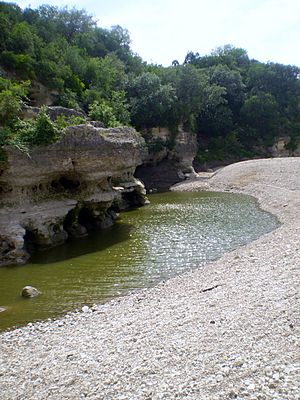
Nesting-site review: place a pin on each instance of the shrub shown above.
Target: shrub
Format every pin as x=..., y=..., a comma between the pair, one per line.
x=11, y=100
x=41, y=131
x=102, y=111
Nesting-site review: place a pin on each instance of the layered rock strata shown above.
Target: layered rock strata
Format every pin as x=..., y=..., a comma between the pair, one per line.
x=67, y=189
x=170, y=158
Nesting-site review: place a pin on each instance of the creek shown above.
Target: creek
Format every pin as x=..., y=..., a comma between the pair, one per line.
x=177, y=232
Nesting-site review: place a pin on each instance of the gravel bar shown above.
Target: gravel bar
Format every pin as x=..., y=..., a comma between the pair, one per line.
x=229, y=330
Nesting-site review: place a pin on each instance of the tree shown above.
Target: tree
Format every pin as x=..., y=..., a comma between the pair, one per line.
x=232, y=57
x=261, y=113
x=71, y=22
x=282, y=81
x=22, y=39
x=5, y=31
x=12, y=11
x=231, y=80
x=12, y=96
x=150, y=101
x=190, y=85
x=105, y=74
x=120, y=107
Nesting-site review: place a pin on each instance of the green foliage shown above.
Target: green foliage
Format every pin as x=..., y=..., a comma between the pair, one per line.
x=150, y=101
x=261, y=113
x=120, y=107
x=22, y=39
x=4, y=135
x=231, y=81
x=102, y=111
x=228, y=148
x=228, y=55
x=12, y=95
x=40, y=131
x=22, y=64
x=10, y=105
x=63, y=122
x=3, y=155
x=36, y=132
x=105, y=74
x=113, y=112
x=67, y=98
x=292, y=145
x=94, y=68
x=155, y=145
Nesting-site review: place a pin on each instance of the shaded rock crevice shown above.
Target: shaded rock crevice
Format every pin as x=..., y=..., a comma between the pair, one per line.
x=169, y=159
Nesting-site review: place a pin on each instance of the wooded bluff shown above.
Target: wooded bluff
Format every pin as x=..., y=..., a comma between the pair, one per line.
x=235, y=106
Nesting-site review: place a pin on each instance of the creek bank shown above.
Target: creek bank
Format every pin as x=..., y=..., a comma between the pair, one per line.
x=228, y=330
x=67, y=189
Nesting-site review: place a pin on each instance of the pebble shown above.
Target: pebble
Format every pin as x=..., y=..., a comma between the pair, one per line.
x=276, y=377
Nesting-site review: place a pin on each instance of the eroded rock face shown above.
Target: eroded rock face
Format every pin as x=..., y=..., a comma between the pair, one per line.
x=67, y=189
x=170, y=158
x=54, y=112
x=286, y=147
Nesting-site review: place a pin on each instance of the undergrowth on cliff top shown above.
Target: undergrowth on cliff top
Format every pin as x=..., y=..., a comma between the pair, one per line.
x=38, y=131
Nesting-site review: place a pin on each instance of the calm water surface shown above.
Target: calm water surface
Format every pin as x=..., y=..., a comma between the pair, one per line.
x=175, y=233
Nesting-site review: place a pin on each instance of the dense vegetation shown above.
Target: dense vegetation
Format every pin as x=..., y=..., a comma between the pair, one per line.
x=235, y=105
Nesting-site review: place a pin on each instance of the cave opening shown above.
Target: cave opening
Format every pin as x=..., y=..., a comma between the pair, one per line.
x=132, y=199
x=69, y=184
x=64, y=183
x=69, y=220
x=87, y=219
x=30, y=241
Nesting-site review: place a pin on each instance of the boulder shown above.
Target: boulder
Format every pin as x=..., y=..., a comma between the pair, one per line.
x=29, y=291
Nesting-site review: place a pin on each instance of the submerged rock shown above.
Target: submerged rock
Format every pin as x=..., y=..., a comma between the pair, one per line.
x=29, y=291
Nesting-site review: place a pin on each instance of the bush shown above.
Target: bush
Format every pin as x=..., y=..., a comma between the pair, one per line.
x=63, y=122
x=23, y=64
x=68, y=99
x=102, y=111
x=41, y=131
x=292, y=144
x=11, y=100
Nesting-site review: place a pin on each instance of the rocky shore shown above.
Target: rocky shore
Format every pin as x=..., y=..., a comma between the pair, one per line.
x=230, y=330
x=67, y=189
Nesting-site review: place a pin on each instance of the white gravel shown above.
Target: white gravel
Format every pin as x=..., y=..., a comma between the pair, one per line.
x=238, y=340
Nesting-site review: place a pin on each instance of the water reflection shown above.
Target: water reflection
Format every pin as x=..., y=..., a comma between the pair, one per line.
x=175, y=233
x=95, y=242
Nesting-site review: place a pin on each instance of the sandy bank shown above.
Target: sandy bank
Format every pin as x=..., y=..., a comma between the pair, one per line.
x=228, y=330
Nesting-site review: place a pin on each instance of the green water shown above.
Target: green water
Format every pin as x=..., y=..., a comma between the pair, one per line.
x=175, y=233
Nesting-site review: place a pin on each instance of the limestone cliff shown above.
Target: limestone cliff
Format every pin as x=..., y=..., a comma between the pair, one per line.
x=67, y=189
x=170, y=158
x=286, y=147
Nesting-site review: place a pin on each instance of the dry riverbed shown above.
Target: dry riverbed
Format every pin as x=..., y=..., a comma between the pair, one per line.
x=230, y=330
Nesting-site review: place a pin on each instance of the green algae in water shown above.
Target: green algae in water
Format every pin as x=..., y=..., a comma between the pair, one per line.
x=177, y=232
